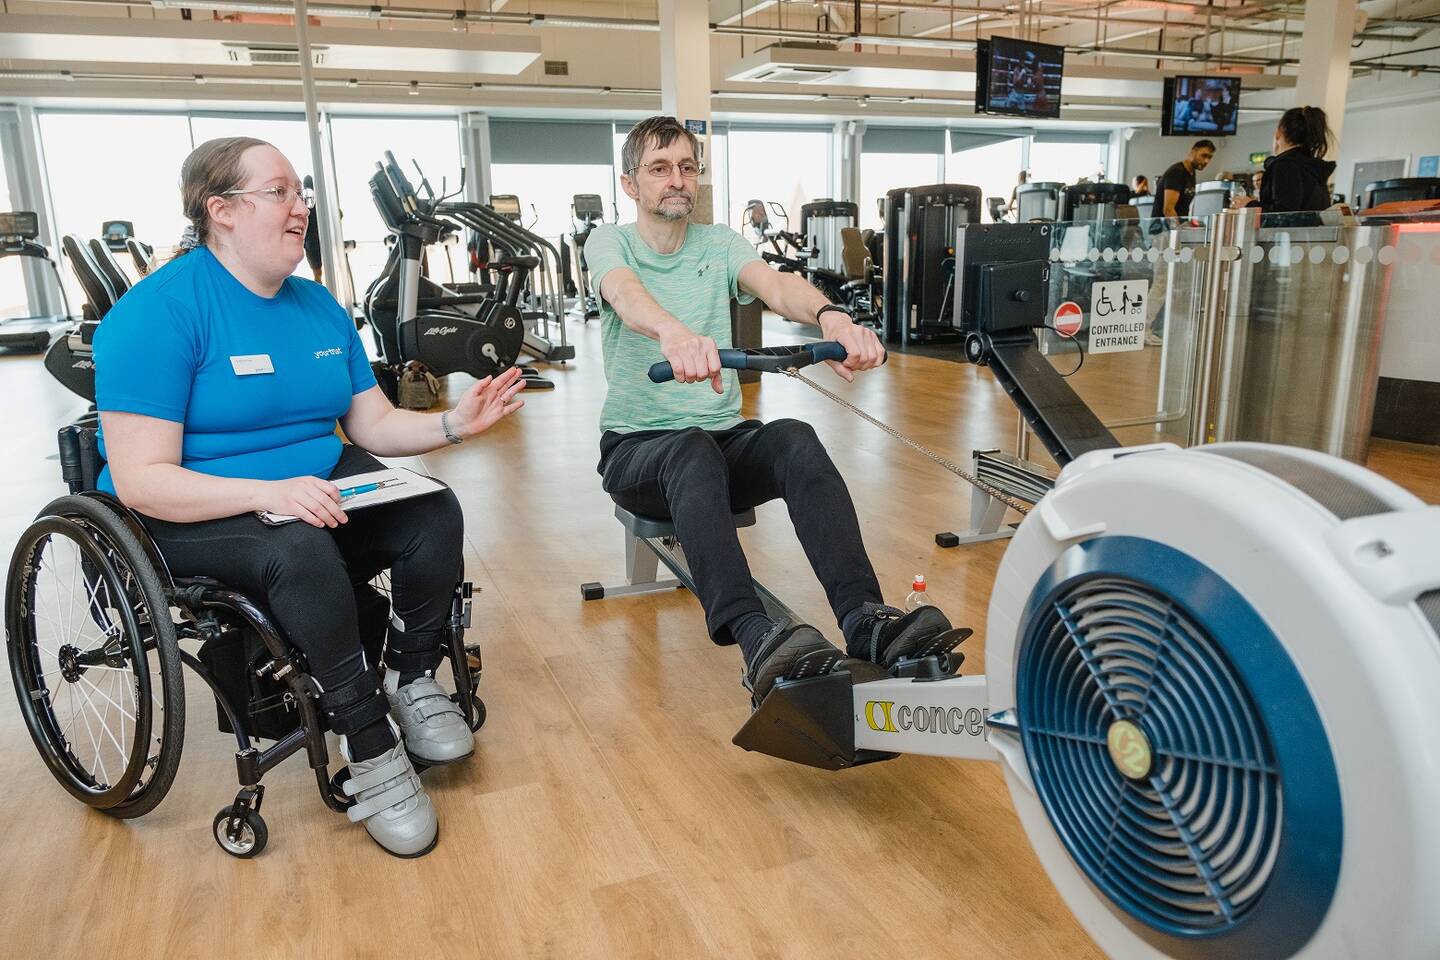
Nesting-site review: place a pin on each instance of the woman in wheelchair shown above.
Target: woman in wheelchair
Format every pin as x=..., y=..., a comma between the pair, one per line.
x=220, y=380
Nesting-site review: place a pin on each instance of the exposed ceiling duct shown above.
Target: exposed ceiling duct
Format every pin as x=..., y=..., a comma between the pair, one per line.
x=209, y=43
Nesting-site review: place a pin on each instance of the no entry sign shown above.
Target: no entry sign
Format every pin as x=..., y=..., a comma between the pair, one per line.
x=1068, y=318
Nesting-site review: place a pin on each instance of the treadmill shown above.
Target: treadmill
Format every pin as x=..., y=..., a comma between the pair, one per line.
x=18, y=233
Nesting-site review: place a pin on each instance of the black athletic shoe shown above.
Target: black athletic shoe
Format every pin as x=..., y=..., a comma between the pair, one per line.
x=887, y=634
x=790, y=651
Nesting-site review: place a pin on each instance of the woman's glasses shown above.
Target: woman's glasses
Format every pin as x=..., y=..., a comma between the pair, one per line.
x=286, y=193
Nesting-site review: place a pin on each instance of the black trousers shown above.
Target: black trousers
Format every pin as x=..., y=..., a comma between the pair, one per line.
x=699, y=478
x=305, y=576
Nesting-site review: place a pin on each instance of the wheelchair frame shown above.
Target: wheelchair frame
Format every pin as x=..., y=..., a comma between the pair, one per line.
x=208, y=611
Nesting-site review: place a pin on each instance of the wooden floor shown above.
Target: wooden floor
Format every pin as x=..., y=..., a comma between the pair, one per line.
x=606, y=813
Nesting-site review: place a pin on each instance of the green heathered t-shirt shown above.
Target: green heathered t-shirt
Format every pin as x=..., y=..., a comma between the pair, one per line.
x=695, y=284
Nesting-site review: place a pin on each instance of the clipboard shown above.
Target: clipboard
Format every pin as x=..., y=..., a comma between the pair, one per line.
x=411, y=484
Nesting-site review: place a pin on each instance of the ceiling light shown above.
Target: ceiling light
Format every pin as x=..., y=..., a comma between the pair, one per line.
x=602, y=23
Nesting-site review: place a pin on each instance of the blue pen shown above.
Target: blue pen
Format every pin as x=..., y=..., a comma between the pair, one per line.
x=368, y=487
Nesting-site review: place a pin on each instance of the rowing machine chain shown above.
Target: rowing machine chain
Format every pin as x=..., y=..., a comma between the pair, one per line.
x=991, y=490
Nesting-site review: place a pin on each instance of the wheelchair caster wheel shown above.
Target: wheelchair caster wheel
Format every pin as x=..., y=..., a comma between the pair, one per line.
x=479, y=714
x=251, y=839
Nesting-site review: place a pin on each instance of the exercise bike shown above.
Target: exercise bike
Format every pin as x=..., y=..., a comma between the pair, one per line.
x=1211, y=671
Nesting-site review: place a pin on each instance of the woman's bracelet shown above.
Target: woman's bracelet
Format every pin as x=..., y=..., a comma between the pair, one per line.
x=450, y=435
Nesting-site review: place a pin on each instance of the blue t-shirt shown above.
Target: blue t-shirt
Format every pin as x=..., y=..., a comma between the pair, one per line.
x=192, y=344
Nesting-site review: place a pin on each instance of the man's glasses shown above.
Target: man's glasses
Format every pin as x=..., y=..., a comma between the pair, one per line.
x=662, y=169
x=280, y=193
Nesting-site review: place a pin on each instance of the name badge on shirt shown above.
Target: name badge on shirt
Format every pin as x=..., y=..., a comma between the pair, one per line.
x=250, y=365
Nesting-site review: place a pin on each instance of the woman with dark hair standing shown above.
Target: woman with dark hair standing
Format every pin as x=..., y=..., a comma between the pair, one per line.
x=1297, y=177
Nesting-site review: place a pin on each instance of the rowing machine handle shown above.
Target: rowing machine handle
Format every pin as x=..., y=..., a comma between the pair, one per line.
x=767, y=359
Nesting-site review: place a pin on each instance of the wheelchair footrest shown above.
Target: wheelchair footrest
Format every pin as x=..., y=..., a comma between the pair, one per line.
x=809, y=721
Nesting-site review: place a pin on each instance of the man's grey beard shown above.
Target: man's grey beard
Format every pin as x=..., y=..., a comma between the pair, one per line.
x=671, y=215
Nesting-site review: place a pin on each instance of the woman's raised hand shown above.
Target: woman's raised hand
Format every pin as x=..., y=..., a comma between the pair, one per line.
x=487, y=402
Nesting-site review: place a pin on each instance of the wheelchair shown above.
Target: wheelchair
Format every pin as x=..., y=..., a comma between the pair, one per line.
x=94, y=624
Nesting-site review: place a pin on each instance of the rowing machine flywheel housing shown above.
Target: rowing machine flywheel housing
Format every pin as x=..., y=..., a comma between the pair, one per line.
x=1213, y=677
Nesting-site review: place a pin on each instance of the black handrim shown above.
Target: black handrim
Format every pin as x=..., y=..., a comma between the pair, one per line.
x=40, y=664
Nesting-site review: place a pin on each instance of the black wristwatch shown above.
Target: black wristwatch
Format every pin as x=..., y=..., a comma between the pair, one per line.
x=836, y=308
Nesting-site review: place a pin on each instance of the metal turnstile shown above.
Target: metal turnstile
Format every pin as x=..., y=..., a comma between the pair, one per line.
x=920, y=227
x=1289, y=349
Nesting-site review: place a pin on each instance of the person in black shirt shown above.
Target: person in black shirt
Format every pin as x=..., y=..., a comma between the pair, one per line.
x=1177, y=186
x=1297, y=177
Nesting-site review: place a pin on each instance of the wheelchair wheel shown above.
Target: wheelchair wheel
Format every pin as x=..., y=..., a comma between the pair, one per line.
x=249, y=840
x=94, y=658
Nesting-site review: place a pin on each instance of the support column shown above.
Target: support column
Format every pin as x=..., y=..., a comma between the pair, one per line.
x=475, y=156
x=849, y=139
x=685, y=82
x=346, y=293
x=324, y=195
x=1324, y=78
x=24, y=172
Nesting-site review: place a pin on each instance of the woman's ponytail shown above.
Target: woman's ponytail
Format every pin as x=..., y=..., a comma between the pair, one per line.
x=1308, y=129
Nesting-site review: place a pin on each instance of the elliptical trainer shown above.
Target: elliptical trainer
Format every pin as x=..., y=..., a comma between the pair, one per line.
x=588, y=212
x=476, y=331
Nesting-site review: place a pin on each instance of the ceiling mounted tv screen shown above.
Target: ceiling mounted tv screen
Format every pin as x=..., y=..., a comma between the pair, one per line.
x=1017, y=78
x=1200, y=106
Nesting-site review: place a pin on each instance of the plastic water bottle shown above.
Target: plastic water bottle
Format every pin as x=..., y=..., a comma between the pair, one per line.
x=917, y=596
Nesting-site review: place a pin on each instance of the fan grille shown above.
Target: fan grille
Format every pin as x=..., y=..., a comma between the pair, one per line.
x=1150, y=756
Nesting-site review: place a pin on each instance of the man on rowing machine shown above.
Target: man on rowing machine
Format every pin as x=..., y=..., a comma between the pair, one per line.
x=688, y=454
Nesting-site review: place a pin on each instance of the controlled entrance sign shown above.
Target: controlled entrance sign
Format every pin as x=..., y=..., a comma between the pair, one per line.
x=1117, y=315
x=1068, y=318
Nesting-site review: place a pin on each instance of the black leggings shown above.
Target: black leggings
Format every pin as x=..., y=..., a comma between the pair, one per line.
x=699, y=478
x=305, y=576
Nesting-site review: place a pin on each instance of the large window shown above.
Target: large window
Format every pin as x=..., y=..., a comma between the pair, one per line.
x=113, y=166
x=546, y=191
x=13, y=299
x=894, y=158
x=289, y=135
x=358, y=144
x=985, y=162
x=882, y=172
x=789, y=167
x=1066, y=161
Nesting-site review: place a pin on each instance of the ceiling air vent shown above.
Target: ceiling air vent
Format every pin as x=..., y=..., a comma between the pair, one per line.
x=273, y=55
x=557, y=68
x=787, y=73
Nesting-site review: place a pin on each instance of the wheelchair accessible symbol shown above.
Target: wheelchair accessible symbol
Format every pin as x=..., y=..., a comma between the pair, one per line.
x=1068, y=318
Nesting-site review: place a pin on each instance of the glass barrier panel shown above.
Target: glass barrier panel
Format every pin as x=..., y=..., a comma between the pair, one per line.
x=1309, y=310
x=1135, y=289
